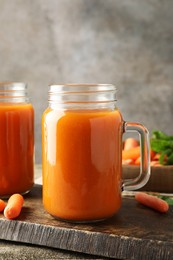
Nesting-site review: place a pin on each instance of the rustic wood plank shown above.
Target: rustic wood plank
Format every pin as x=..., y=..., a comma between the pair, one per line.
x=135, y=232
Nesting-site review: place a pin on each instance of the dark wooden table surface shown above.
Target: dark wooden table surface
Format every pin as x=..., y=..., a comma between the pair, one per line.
x=136, y=232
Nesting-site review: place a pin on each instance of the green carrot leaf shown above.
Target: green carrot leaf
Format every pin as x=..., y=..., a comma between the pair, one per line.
x=170, y=159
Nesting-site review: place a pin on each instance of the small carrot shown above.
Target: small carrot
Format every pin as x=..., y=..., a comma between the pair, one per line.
x=2, y=205
x=137, y=161
x=127, y=162
x=155, y=163
x=156, y=157
x=130, y=143
x=152, y=202
x=152, y=154
x=132, y=153
x=14, y=206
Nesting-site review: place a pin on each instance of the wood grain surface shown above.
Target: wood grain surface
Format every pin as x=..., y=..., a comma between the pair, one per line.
x=136, y=232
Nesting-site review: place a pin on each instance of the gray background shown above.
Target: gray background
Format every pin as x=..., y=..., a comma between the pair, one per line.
x=128, y=43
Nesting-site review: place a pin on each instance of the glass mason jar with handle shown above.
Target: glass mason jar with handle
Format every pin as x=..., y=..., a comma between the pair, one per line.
x=82, y=132
x=16, y=139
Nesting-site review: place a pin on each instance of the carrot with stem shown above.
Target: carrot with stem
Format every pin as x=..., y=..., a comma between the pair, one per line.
x=2, y=205
x=152, y=202
x=14, y=206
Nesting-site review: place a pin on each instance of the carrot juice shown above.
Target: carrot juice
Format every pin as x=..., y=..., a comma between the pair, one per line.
x=82, y=153
x=82, y=163
x=16, y=147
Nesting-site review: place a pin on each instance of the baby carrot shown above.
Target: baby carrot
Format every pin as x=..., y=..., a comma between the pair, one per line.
x=152, y=154
x=14, y=206
x=152, y=202
x=130, y=143
x=2, y=205
x=137, y=161
x=132, y=153
x=127, y=162
x=155, y=163
x=156, y=157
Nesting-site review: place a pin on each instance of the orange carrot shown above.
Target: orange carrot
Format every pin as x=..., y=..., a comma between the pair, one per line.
x=127, y=162
x=152, y=202
x=130, y=143
x=156, y=157
x=137, y=161
x=132, y=153
x=2, y=205
x=152, y=154
x=155, y=163
x=14, y=206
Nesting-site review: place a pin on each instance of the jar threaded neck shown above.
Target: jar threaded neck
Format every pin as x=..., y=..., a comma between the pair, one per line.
x=81, y=95
x=15, y=92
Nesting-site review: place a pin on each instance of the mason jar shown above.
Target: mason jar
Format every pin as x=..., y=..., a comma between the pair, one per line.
x=16, y=139
x=82, y=132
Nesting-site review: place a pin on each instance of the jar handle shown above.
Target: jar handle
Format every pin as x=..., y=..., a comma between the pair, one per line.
x=144, y=174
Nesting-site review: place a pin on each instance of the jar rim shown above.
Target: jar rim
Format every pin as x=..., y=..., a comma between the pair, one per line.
x=81, y=87
x=81, y=95
x=13, y=86
x=13, y=92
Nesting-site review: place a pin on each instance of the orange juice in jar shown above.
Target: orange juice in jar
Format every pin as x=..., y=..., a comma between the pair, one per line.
x=16, y=140
x=82, y=153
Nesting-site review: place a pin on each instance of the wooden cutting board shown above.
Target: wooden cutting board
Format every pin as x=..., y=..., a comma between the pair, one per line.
x=136, y=232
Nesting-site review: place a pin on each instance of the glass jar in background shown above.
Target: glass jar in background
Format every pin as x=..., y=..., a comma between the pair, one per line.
x=16, y=139
x=82, y=153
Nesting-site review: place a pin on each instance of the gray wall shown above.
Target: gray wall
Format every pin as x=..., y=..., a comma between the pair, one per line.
x=128, y=43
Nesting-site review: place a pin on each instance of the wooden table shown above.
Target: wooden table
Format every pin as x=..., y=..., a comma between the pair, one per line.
x=136, y=232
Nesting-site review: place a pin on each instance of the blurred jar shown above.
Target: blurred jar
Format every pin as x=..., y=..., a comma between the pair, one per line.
x=16, y=139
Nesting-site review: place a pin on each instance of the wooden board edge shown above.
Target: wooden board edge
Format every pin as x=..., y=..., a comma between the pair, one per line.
x=94, y=243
